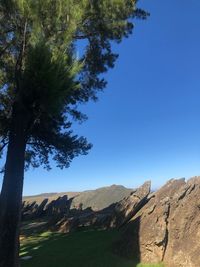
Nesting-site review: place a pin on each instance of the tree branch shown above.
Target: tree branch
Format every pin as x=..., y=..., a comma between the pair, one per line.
x=3, y=145
x=45, y=146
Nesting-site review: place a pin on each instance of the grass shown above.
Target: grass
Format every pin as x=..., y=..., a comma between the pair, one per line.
x=80, y=249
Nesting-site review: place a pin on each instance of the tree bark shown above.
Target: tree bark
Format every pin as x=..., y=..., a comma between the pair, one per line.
x=11, y=193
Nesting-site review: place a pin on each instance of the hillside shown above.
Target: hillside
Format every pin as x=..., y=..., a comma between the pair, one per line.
x=97, y=199
x=51, y=196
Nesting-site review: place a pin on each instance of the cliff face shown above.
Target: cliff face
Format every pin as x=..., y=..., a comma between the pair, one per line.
x=167, y=228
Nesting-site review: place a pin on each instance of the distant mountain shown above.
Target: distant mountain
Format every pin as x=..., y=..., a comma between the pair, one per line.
x=96, y=199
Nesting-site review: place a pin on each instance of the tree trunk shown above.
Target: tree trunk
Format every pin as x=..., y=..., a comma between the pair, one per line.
x=11, y=193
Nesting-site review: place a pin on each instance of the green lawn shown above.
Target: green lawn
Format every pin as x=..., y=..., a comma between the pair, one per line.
x=80, y=249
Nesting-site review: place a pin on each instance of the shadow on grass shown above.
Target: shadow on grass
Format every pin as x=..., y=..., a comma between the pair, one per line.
x=85, y=249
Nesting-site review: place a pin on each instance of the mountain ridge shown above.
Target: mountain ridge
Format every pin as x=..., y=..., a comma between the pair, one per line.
x=96, y=199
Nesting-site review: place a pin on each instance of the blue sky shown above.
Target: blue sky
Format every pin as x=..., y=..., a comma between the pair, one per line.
x=146, y=124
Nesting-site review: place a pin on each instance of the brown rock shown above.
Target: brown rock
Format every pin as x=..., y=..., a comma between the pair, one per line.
x=28, y=210
x=60, y=206
x=129, y=206
x=40, y=210
x=184, y=227
x=167, y=228
x=67, y=225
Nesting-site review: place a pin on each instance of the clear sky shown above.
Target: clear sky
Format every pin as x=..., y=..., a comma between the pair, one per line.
x=146, y=124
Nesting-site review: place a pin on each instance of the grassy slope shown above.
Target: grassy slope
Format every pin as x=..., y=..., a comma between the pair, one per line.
x=50, y=196
x=97, y=199
x=102, y=197
x=80, y=249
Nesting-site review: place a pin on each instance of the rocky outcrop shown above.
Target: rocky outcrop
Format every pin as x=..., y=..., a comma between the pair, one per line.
x=40, y=209
x=116, y=215
x=59, y=213
x=163, y=226
x=129, y=206
x=85, y=218
x=167, y=228
x=58, y=207
x=184, y=227
x=33, y=210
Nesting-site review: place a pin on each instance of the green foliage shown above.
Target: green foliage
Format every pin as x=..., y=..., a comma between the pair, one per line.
x=40, y=72
x=53, y=84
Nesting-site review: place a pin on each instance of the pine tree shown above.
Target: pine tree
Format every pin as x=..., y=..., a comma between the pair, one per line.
x=41, y=83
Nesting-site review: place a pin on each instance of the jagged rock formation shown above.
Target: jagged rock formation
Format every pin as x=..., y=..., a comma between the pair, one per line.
x=57, y=207
x=184, y=227
x=116, y=215
x=167, y=228
x=64, y=219
x=163, y=226
x=129, y=206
